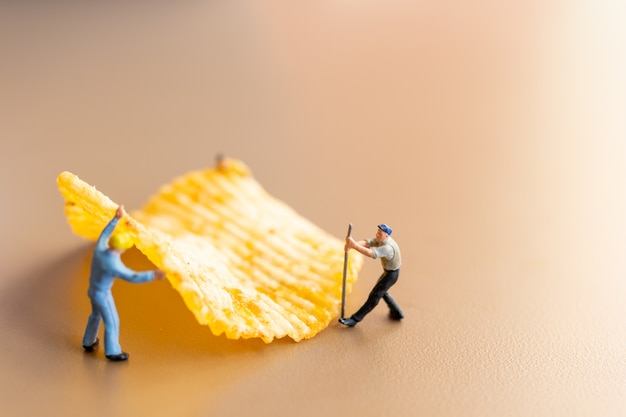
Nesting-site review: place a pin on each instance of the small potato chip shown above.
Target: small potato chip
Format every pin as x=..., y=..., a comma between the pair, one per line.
x=245, y=263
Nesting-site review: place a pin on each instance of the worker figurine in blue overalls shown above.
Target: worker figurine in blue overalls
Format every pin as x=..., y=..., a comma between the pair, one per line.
x=106, y=265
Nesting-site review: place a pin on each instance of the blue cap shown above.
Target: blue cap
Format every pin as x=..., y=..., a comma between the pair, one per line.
x=385, y=228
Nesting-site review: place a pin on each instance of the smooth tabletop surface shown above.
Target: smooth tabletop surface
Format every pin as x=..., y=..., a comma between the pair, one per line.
x=489, y=135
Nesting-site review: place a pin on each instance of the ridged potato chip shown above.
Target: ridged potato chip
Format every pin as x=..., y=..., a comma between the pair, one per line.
x=245, y=263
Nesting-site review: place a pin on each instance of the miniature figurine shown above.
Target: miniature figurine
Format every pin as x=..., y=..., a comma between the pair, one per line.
x=221, y=162
x=106, y=265
x=384, y=247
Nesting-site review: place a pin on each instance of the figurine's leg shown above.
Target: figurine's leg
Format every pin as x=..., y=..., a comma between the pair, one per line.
x=394, y=310
x=380, y=289
x=93, y=325
x=111, y=327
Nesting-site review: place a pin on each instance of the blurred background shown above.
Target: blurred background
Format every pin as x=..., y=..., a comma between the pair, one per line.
x=490, y=135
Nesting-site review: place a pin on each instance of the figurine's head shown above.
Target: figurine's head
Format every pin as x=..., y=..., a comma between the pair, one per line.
x=383, y=232
x=120, y=241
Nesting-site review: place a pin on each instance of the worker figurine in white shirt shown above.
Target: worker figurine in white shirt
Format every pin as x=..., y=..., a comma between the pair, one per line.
x=386, y=249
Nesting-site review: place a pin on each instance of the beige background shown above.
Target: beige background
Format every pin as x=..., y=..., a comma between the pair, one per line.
x=490, y=135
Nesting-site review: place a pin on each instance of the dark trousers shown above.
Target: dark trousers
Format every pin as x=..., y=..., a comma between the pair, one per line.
x=386, y=281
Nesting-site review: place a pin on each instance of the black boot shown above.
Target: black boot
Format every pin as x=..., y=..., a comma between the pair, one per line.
x=118, y=358
x=91, y=347
x=348, y=321
x=396, y=315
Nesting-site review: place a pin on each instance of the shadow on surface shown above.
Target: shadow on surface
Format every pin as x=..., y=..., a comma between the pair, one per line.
x=40, y=308
x=50, y=306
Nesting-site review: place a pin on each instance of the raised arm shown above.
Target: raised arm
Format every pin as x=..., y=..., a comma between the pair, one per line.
x=103, y=240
